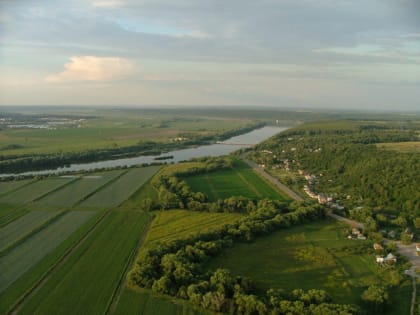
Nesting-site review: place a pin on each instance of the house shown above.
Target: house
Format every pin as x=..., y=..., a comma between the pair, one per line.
x=391, y=234
x=355, y=231
x=390, y=258
x=418, y=248
x=377, y=247
x=380, y=259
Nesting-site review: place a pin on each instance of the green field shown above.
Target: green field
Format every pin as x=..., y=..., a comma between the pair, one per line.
x=119, y=190
x=35, y=190
x=86, y=282
x=71, y=194
x=177, y=224
x=303, y=257
x=241, y=180
x=23, y=226
x=21, y=258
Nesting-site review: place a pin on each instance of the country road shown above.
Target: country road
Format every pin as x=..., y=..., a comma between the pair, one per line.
x=272, y=180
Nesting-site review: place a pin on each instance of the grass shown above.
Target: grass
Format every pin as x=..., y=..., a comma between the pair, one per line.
x=23, y=226
x=28, y=280
x=21, y=258
x=310, y=256
x=134, y=302
x=87, y=280
x=71, y=194
x=410, y=146
x=144, y=192
x=241, y=180
x=35, y=190
x=176, y=224
x=121, y=189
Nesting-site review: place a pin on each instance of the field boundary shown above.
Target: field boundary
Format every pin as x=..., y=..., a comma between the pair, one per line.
x=115, y=297
x=33, y=232
x=14, y=309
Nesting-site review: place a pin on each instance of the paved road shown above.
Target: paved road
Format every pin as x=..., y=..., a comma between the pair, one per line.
x=273, y=180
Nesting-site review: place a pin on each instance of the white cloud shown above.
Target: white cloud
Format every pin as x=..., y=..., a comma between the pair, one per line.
x=107, y=3
x=91, y=68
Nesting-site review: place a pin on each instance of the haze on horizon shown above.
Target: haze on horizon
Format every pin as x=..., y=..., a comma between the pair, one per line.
x=341, y=54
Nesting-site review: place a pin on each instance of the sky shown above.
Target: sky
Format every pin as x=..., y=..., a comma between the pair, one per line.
x=338, y=54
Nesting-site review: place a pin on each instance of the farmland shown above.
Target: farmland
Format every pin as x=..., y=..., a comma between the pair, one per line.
x=87, y=280
x=408, y=146
x=23, y=226
x=77, y=190
x=241, y=180
x=35, y=190
x=120, y=189
x=6, y=187
x=21, y=258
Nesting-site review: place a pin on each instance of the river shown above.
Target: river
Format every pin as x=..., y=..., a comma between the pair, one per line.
x=225, y=147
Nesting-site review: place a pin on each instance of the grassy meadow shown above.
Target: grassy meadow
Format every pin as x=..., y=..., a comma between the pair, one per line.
x=241, y=180
x=408, y=146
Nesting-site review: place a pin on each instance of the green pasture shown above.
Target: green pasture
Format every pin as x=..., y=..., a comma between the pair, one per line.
x=241, y=180
x=144, y=192
x=18, y=229
x=86, y=281
x=35, y=190
x=120, y=189
x=73, y=193
x=311, y=256
x=33, y=275
x=21, y=258
x=177, y=224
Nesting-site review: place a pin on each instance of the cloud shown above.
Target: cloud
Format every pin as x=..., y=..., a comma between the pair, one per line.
x=107, y=3
x=91, y=68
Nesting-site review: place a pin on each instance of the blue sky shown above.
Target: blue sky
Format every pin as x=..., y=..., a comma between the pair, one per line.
x=342, y=54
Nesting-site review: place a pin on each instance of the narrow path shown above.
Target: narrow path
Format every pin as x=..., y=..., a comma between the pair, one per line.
x=413, y=298
x=273, y=180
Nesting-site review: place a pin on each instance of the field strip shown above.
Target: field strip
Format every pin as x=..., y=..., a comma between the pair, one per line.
x=60, y=262
x=127, y=268
x=20, y=259
x=250, y=185
x=56, y=189
x=10, y=191
x=15, y=213
x=21, y=229
x=211, y=186
x=101, y=187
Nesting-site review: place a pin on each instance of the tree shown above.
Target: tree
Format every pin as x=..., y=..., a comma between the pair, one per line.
x=405, y=238
x=375, y=297
x=416, y=223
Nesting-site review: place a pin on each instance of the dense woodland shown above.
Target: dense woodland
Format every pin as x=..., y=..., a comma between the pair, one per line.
x=372, y=183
